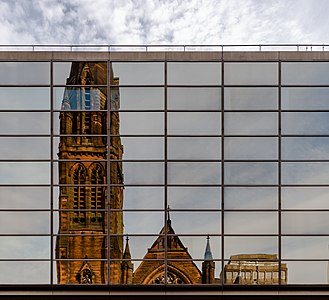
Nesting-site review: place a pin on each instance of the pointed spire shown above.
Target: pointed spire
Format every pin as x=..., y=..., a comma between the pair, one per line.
x=127, y=254
x=207, y=253
x=168, y=216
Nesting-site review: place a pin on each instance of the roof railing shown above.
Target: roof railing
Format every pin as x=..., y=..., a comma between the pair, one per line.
x=167, y=48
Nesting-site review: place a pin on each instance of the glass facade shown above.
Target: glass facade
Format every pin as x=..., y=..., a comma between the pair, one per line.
x=164, y=172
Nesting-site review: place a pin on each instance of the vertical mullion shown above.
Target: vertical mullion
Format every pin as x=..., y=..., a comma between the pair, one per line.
x=166, y=210
x=222, y=171
x=279, y=170
x=51, y=176
x=108, y=168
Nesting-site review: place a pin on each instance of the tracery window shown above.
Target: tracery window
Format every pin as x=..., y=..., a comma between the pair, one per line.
x=79, y=190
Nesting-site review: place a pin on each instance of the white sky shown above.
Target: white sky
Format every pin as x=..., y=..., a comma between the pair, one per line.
x=163, y=21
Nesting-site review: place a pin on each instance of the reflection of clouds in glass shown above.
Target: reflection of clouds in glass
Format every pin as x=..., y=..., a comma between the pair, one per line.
x=194, y=173
x=251, y=223
x=141, y=123
x=143, y=223
x=251, y=148
x=61, y=71
x=143, y=148
x=305, y=173
x=250, y=245
x=143, y=197
x=143, y=173
x=305, y=197
x=141, y=98
x=196, y=246
x=299, y=123
x=251, y=123
x=251, y=173
x=251, y=198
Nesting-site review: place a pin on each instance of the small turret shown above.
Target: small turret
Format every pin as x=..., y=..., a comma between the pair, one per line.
x=208, y=265
x=127, y=266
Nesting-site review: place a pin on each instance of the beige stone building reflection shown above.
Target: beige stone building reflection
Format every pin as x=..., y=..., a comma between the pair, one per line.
x=82, y=246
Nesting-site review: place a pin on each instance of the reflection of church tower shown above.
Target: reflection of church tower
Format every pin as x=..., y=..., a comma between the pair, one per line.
x=82, y=244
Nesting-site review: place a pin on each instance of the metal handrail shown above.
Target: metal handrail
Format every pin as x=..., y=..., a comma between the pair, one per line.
x=161, y=48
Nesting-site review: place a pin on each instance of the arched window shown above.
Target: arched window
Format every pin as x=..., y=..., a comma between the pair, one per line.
x=79, y=190
x=97, y=190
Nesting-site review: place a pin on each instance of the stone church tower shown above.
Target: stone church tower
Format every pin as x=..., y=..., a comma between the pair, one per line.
x=82, y=245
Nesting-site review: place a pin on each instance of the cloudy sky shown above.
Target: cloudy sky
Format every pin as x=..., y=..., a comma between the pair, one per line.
x=163, y=21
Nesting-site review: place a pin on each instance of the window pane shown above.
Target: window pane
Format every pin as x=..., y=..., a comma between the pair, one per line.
x=305, y=98
x=249, y=222
x=250, y=198
x=147, y=222
x=21, y=73
x=142, y=148
x=142, y=173
x=250, y=98
x=305, y=173
x=194, y=148
x=251, y=73
x=139, y=73
x=194, y=73
x=194, y=98
x=299, y=123
x=194, y=173
x=251, y=123
x=305, y=72
x=251, y=148
x=194, y=123
x=24, y=98
x=143, y=197
x=251, y=173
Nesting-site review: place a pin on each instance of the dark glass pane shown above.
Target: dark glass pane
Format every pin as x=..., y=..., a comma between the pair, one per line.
x=250, y=98
x=24, y=98
x=305, y=98
x=194, y=123
x=24, y=73
x=194, y=148
x=305, y=73
x=251, y=173
x=139, y=73
x=251, y=123
x=251, y=73
x=194, y=98
x=251, y=148
x=194, y=173
x=250, y=198
x=194, y=73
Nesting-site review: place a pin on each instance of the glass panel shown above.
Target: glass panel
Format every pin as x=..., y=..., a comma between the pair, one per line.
x=24, y=173
x=194, y=148
x=190, y=197
x=251, y=73
x=250, y=198
x=299, y=123
x=143, y=197
x=194, y=123
x=305, y=148
x=196, y=222
x=251, y=148
x=249, y=223
x=305, y=173
x=194, y=173
x=251, y=173
x=24, y=148
x=25, y=272
x=83, y=98
x=194, y=98
x=306, y=247
x=21, y=73
x=94, y=73
x=24, y=123
x=305, y=197
x=305, y=98
x=194, y=73
x=305, y=222
x=250, y=98
x=24, y=247
x=251, y=123
x=25, y=197
x=250, y=245
x=305, y=73
x=141, y=123
x=141, y=173
x=307, y=272
x=141, y=98
x=24, y=222
x=143, y=148
x=143, y=222
x=139, y=73
x=24, y=98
